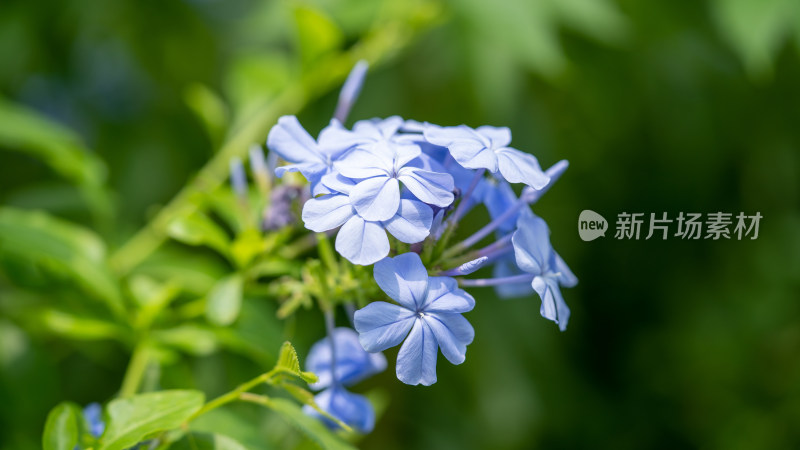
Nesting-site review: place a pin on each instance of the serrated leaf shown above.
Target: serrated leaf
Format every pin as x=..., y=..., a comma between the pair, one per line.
x=225, y=300
x=132, y=419
x=287, y=358
x=311, y=427
x=61, y=428
x=289, y=362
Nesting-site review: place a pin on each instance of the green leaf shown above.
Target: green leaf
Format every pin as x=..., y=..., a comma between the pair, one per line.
x=317, y=33
x=247, y=245
x=310, y=426
x=189, y=338
x=289, y=362
x=207, y=441
x=26, y=131
x=199, y=229
x=132, y=419
x=756, y=29
x=209, y=108
x=62, y=247
x=225, y=300
x=79, y=327
x=61, y=428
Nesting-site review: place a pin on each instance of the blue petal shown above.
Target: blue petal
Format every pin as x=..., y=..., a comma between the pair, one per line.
x=376, y=198
x=499, y=198
x=506, y=267
x=335, y=139
x=336, y=182
x=292, y=142
x=353, y=409
x=353, y=363
x=553, y=305
x=430, y=187
x=404, y=279
x=360, y=163
x=416, y=360
x=382, y=325
x=444, y=296
x=565, y=278
x=469, y=148
x=532, y=244
x=498, y=136
x=327, y=212
x=93, y=413
x=519, y=167
x=412, y=222
x=361, y=242
x=453, y=333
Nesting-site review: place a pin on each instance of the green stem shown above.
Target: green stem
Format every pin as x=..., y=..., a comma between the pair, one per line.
x=233, y=395
x=135, y=371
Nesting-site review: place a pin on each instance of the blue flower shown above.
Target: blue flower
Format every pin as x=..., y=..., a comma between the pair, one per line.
x=487, y=148
x=93, y=413
x=353, y=409
x=428, y=317
x=313, y=159
x=499, y=198
x=383, y=160
x=353, y=364
x=359, y=240
x=536, y=256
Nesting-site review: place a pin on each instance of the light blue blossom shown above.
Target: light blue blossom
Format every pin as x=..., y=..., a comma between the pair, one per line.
x=487, y=148
x=359, y=240
x=93, y=414
x=428, y=317
x=381, y=163
x=350, y=90
x=353, y=364
x=353, y=409
x=313, y=159
x=536, y=256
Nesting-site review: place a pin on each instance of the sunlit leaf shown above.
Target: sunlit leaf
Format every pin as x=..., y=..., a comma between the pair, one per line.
x=61, y=428
x=207, y=441
x=225, y=300
x=132, y=419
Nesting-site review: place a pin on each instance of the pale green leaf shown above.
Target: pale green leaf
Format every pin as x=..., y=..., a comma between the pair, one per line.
x=225, y=300
x=61, y=428
x=132, y=419
x=189, y=338
x=207, y=441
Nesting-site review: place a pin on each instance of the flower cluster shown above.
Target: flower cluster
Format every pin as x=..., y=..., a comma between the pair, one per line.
x=394, y=191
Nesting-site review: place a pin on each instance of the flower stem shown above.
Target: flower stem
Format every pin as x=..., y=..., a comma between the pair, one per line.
x=462, y=204
x=478, y=282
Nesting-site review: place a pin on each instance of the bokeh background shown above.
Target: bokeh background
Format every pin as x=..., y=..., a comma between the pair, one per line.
x=108, y=108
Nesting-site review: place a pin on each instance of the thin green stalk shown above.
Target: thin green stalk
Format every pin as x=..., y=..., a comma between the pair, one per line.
x=135, y=371
x=233, y=395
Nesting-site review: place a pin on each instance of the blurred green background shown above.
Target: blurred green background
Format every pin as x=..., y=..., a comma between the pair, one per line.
x=109, y=108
